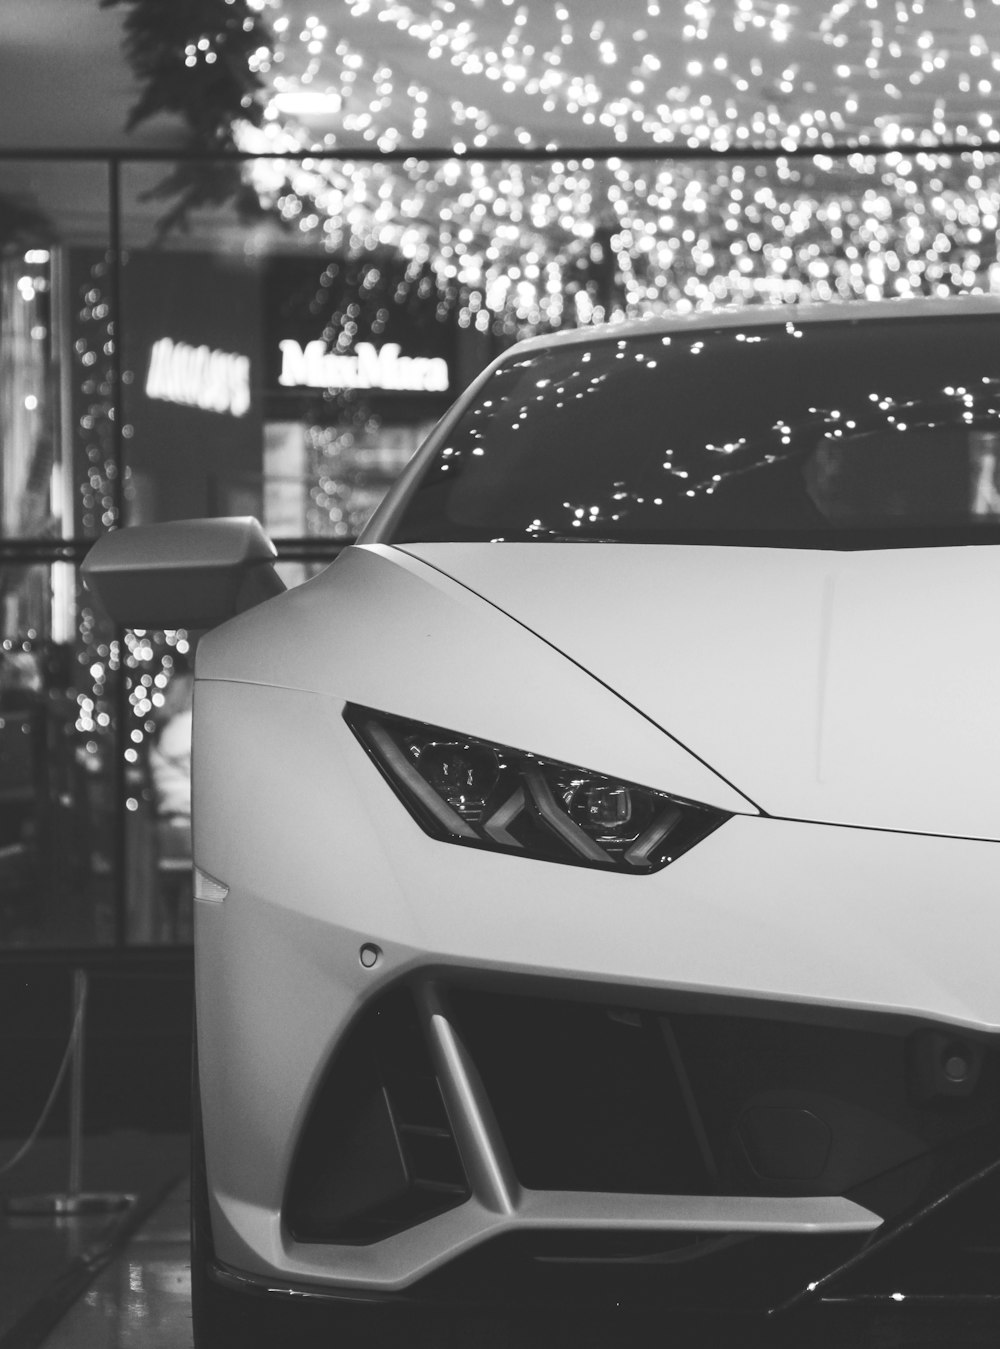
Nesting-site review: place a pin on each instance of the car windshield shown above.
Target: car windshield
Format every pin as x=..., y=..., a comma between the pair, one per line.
x=852, y=433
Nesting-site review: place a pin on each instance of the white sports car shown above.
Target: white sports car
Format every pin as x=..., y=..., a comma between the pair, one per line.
x=595, y=865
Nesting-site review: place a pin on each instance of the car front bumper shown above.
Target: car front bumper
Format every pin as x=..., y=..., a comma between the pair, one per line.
x=801, y=982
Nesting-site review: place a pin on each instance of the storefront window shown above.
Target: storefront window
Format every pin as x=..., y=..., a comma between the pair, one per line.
x=284, y=379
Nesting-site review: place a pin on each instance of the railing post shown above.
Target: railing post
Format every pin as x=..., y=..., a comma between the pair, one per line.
x=74, y=1201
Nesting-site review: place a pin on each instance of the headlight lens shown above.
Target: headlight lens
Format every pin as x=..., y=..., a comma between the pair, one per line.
x=464, y=790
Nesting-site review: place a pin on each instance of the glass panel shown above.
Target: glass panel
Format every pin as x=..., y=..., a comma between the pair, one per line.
x=266, y=373
x=58, y=816
x=47, y=212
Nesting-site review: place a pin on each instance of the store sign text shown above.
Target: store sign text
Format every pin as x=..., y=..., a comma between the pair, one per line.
x=367, y=367
x=217, y=381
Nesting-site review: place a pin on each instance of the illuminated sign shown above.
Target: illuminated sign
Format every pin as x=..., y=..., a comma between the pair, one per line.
x=367, y=367
x=216, y=381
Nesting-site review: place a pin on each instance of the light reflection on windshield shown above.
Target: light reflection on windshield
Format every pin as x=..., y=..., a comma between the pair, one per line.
x=770, y=434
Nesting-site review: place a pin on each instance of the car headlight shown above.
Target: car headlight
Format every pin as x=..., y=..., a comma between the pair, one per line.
x=469, y=791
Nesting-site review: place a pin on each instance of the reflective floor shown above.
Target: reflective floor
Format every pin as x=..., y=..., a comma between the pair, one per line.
x=142, y=1299
x=48, y=1262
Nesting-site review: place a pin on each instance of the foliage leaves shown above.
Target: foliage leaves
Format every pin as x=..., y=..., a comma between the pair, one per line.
x=22, y=225
x=209, y=87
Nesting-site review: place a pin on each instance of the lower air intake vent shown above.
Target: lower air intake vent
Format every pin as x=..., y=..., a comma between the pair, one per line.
x=377, y=1154
x=586, y=1096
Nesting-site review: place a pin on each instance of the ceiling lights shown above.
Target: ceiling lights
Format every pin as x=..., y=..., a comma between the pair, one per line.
x=557, y=73
x=573, y=232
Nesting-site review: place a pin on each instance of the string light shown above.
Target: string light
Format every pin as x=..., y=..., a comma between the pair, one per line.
x=518, y=246
x=529, y=246
x=699, y=74
x=147, y=658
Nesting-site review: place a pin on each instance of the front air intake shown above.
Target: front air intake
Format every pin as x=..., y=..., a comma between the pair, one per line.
x=377, y=1154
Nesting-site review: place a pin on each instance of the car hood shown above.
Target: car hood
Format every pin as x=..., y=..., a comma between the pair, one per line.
x=857, y=688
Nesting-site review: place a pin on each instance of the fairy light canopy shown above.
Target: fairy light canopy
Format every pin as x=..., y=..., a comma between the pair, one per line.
x=558, y=74
x=548, y=160
x=572, y=82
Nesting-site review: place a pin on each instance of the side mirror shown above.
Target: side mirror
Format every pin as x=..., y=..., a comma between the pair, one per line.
x=185, y=574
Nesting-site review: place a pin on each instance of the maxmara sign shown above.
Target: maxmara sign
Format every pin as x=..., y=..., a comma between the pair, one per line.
x=217, y=381
x=367, y=367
